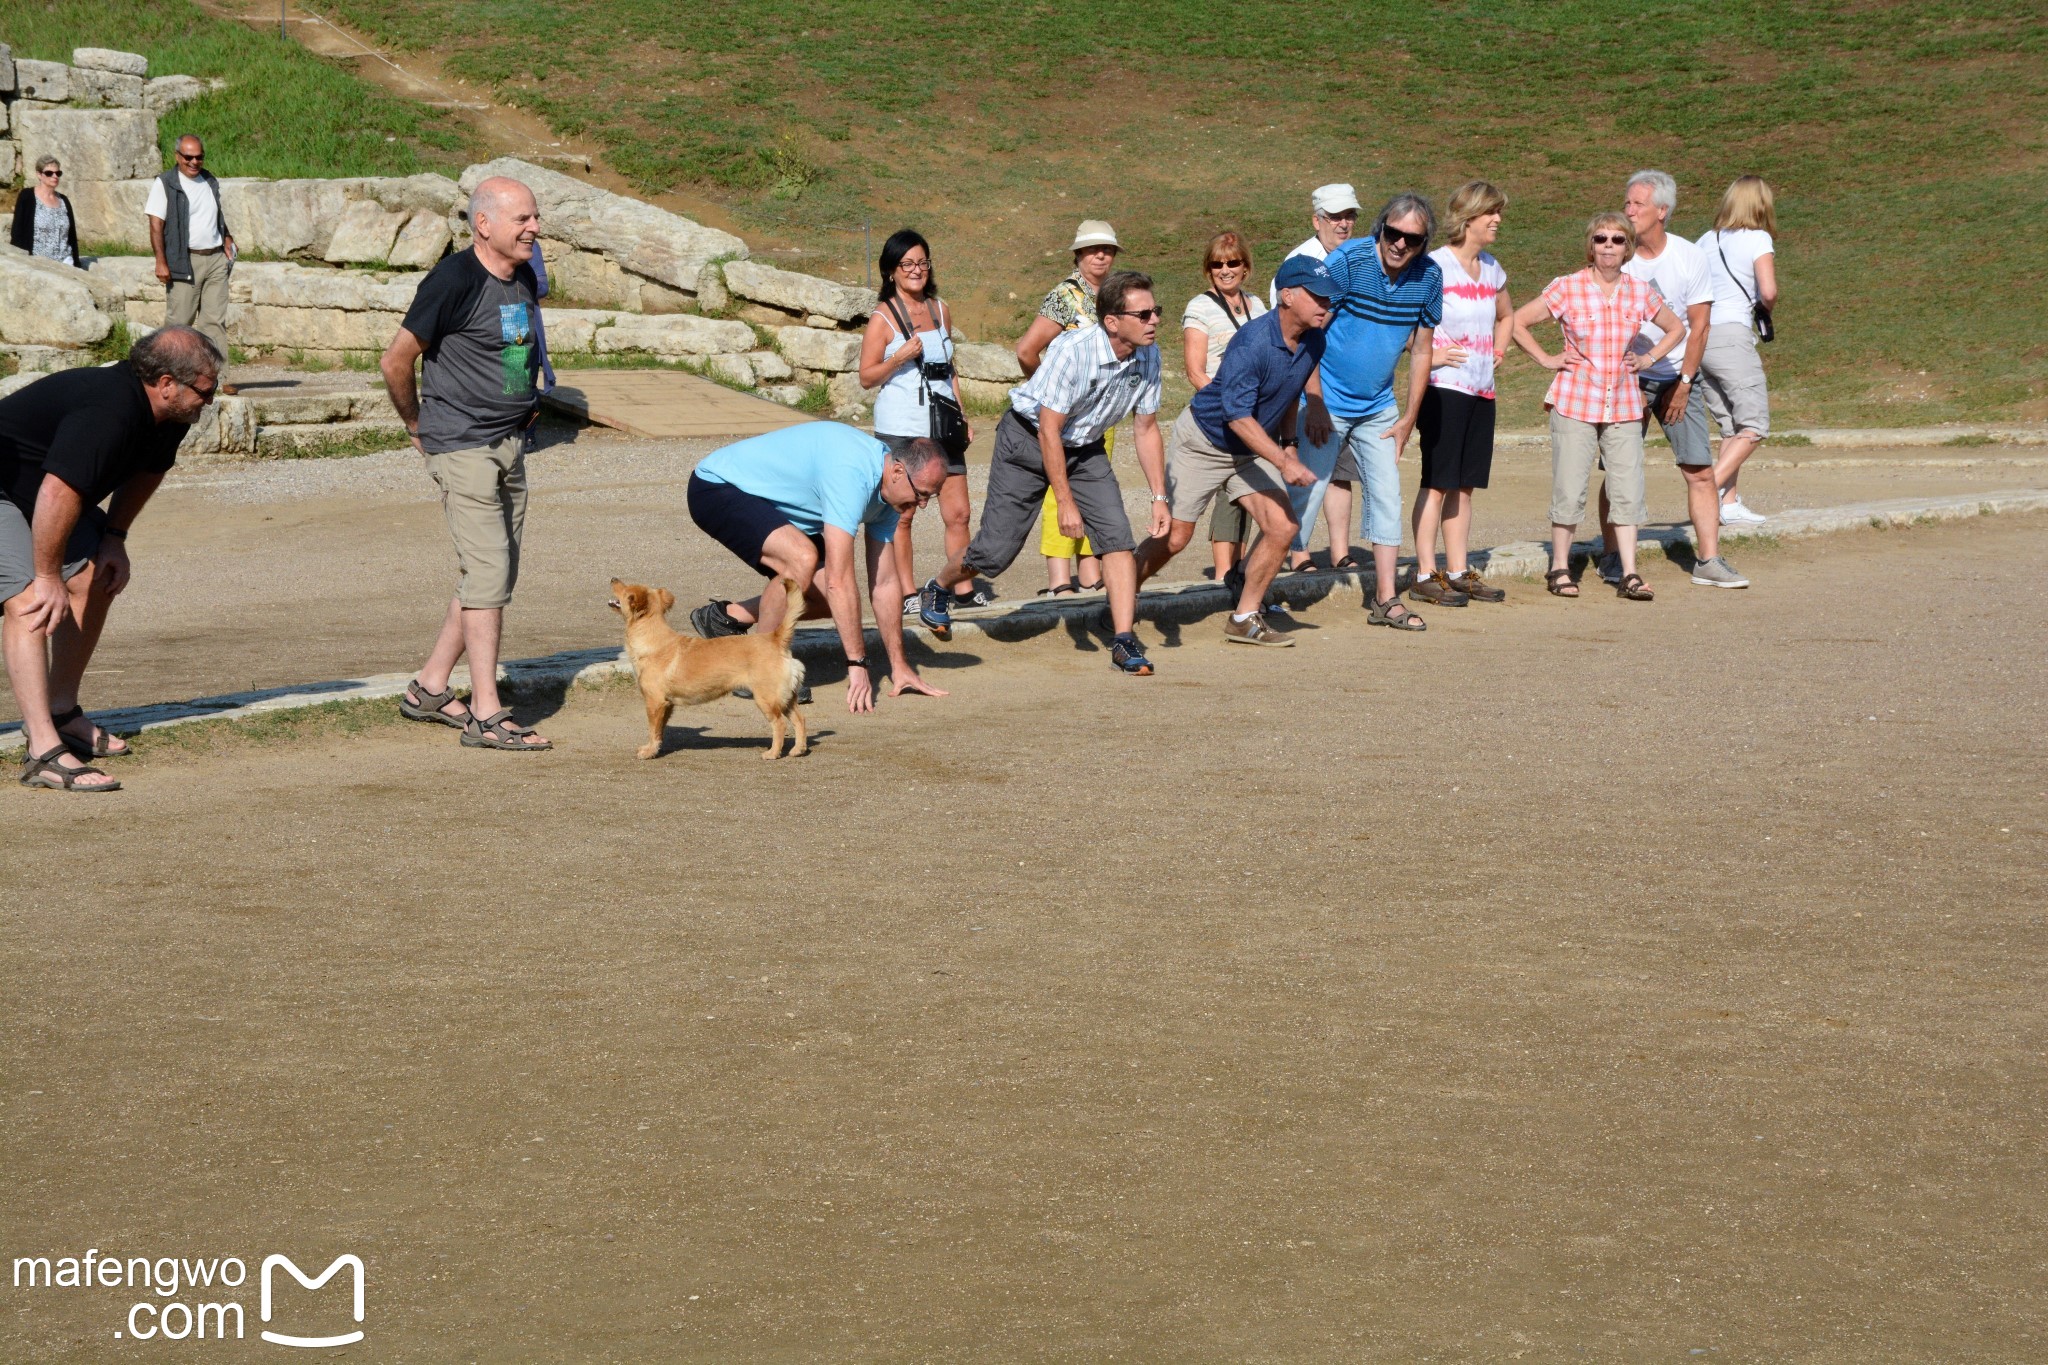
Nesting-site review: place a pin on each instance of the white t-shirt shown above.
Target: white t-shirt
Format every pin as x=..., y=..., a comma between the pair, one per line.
x=1471, y=307
x=1741, y=246
x=1312, y=248
x=1204, y=314
x=202, y=211
x=1680, y=274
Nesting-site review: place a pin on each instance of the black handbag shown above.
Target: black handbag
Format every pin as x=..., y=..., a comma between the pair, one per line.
x=948, y=421
x=1759, y=315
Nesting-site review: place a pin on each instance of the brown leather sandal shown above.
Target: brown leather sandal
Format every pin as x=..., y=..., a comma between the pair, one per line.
x=37, y=769
x=1634, y=589
x=1560, y=583
x=496, y=731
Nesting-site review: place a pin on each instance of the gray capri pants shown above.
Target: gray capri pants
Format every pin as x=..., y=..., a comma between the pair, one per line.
x=1732, y=374
x=1015, y=501
x=18, y=547
x=1574, y=446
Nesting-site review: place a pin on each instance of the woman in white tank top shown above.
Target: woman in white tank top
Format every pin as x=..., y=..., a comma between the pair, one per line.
x=908, y=338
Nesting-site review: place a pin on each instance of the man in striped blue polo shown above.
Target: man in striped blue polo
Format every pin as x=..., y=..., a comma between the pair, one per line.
x=1387, y=297
x=1089, y=379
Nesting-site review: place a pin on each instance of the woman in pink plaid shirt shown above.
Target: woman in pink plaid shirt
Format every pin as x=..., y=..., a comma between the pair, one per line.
x=1595, y=405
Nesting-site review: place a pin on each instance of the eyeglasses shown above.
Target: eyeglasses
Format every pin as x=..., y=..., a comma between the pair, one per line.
x=1393, y=236
x=1142, y=314
x=1609, y=239
x=191, y=156
x=1228, y=265
x=914, y=267
x=53, y=175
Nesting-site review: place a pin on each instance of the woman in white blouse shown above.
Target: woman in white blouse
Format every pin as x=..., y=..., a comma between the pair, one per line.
x=1207, y=324
x=1742, y=262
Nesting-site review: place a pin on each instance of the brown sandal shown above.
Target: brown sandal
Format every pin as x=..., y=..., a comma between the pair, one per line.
x=37, y=769
x=1634, y=589
x=496, y=731
x=1560, y=583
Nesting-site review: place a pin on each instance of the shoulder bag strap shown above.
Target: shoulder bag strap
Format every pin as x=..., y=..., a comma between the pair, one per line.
x=1731, y=269
x=1217, y=294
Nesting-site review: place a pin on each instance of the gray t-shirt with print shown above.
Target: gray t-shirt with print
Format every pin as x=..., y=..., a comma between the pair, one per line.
x=478, y=376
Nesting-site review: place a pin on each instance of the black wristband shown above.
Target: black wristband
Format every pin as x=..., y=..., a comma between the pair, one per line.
x=114, y=531
x=857, y=663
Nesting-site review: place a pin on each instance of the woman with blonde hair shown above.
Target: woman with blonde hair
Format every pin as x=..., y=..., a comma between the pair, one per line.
x=1595, y=403
x=1742, y=262
x=1207, y=324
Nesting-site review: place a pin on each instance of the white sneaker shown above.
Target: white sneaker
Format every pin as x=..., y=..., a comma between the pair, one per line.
x=1735, y=513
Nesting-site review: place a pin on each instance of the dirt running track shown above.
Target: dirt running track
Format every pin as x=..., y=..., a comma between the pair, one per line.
x=1575, y=981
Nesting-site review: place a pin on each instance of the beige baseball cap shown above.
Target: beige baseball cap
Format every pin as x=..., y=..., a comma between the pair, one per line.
x=1095, y=232
x=1330, y=200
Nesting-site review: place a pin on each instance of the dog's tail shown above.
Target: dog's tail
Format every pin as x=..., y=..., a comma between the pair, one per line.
x=786, y=632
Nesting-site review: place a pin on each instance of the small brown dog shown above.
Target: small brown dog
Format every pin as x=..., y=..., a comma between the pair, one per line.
x=675, y=668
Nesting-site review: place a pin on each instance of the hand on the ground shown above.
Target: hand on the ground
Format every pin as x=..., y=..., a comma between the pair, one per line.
x=1162, y=520
x=860, y=691
x=906, y=680
x=1070, y=518
x=1453, y=354
x=1399, y=434
x=1316, y=424
x=1296, y=474
x=110, y=565
x=47, y=605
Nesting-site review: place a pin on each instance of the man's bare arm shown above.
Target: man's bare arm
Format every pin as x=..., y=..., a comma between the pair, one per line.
x=401, y=378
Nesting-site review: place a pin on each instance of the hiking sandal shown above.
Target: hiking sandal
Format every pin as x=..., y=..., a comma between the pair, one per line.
x=37, y=769
x=1634, y=589
x=1348, y=564
x=420, y=704
x=1559, y=581
x=1382, y=614
x=496, y=731
x=100, y=745
x=1061, y=591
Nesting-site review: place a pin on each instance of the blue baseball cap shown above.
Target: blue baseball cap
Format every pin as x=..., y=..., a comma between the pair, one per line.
x=1305, y=272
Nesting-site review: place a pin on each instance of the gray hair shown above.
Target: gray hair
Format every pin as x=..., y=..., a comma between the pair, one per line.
x=488, y=198
x=1400, y=206
x=919, y=455
x=192, y=138
x=45, y=161
x=1663, y=189
x=180, y=352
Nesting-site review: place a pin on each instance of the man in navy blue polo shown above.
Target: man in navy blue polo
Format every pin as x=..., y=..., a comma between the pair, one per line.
x=1237, y=438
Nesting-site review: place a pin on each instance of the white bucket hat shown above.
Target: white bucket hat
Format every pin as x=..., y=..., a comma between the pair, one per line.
x=1331, y=200
x=1095, y=232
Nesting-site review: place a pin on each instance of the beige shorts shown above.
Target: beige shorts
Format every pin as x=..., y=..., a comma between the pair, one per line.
x=1732, y=378
x=1196, y=471
x=1574, y=447
x=483, y=494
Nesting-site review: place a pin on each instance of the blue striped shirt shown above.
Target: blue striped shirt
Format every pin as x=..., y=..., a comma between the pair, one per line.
x=1372, y=320
x=1081, y=379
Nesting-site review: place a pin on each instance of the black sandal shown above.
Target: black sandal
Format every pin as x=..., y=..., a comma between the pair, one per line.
x=1560, y=583
x=420, y=704
x=1634, y=589
x=1348, y=564
x=99, y=746
x=38, y=767
x=496, y=731
x=1061, y=591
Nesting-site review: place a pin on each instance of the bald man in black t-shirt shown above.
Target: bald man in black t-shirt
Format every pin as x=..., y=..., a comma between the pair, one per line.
x=68, y=443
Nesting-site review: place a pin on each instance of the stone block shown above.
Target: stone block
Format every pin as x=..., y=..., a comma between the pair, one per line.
x=712, y=296
x=423, y=241
x=10, y=165
x=731, y=367
x=642, y=238
x=93, y=144
x=770, y=367
x=849, y=399
x=283, y=285
x=660, y=298
x=6, y=116
x=6, y=69
x=572, y=329
x=111, y=211
x=166, y=93
x=225, y=428
x=789, y=395
x=36, y=361
x=104, y=90
x=683, y=334
x=801, y=294
x=309, y=407
x=47, y=81
x=762, y=315
x=982, y=360
x=148, y=315
x=816, y=350
x=132, y=277
x=364, y=233
x=43, y=303
x=588, y=277
x=313, y=329
x=107, y=59
x=983, y=391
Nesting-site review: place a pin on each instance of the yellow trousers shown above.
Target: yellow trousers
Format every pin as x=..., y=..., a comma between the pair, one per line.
x=1051, y=543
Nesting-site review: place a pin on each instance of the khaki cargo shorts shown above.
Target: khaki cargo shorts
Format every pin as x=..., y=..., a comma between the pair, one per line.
x=483, y=494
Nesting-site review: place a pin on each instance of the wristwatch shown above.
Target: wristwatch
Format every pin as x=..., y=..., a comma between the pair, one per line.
x=857, y=663
x=1161, y=497
x=114, y=531
x=1687, y=379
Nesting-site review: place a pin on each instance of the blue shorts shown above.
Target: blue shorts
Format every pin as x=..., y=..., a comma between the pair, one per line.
x=739, y=521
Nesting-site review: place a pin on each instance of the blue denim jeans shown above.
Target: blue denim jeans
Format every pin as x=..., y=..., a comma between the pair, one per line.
x=1379, y=500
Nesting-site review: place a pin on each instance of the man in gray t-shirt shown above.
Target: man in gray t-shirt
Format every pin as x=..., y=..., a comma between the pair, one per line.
x=472, y=329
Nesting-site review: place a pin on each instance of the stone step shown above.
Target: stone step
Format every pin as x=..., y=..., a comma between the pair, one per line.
x=290, y=409
x=309, y=438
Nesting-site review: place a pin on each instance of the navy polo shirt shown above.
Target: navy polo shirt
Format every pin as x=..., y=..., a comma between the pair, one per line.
x=1259, y=378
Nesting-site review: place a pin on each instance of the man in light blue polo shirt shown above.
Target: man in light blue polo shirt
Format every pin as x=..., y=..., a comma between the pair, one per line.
x=1237, y=438
x=790, y=503
x=1389, y=298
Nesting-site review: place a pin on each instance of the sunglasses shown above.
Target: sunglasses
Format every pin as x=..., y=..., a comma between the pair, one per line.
x=53, y=175
x=1228, y=265
x=1609, y=239
x=1142, y=314
x=1393, y=236
x=199, y=156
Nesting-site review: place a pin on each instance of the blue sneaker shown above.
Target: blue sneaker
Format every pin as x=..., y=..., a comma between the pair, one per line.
x=1126, y=655
x=935, y=609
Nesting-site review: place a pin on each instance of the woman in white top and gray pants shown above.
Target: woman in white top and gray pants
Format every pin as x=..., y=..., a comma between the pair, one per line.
x=1742, y=263
x=895, y=358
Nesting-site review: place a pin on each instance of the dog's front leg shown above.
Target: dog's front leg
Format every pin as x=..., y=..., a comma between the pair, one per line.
x=658, y=709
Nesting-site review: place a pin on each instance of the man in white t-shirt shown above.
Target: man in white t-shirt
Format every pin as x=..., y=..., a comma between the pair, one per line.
x=188, y=231
x=1676, y=269
x=1333, y=213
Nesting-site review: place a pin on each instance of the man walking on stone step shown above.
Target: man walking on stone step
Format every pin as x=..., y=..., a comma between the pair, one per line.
x=1237, y=438
x=68, y=442
x=1089, y=379
x=472, y=329
x=195, y=252
x=1677, y=269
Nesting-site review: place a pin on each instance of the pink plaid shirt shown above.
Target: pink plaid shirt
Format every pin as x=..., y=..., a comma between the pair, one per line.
x=1594, y=385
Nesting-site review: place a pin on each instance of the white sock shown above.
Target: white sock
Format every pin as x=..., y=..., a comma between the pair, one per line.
x=1242, y=616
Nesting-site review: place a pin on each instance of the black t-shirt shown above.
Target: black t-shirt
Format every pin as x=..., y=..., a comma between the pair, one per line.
x=92, y=428
x=477, y=378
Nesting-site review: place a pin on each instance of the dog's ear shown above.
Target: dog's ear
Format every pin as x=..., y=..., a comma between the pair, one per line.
x=666, y=598
x=636, y=601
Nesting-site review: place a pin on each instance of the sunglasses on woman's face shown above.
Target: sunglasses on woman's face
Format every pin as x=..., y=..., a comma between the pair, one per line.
x=1604, y=239
x=1393, y=236
x=53, y=175
x=1226, y=265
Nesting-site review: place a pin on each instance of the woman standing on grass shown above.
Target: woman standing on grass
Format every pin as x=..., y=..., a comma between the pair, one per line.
x=44, y=224
x=1207, y=324
x=1068, y=305
x=1742, y=262
x=1456, y=420
x=908, y=351
x=1595, y=404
